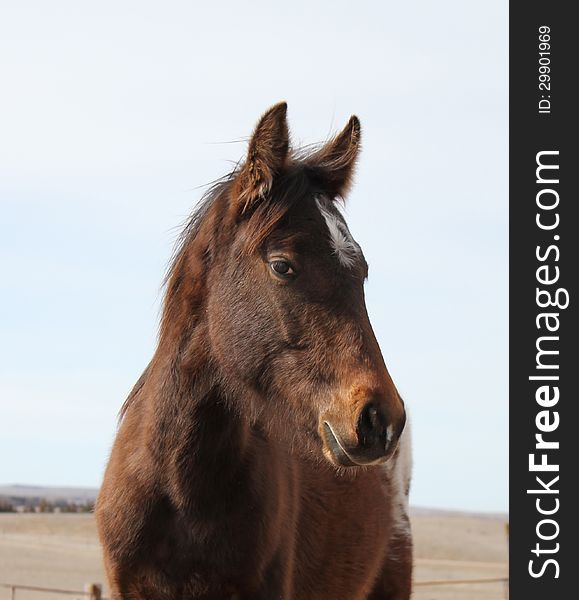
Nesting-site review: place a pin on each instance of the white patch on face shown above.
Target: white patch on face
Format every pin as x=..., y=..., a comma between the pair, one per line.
x=400, y=473
x=343, y=244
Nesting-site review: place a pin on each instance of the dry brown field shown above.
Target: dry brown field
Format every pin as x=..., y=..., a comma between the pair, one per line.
x=62, y=551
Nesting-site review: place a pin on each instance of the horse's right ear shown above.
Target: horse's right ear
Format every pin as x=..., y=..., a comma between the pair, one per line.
x=266, y=156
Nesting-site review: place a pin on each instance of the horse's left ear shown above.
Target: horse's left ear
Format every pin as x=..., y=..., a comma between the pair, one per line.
x=335, y=162
x=266, y=156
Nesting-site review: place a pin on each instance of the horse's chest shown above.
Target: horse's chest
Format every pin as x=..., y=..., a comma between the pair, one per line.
x=305, y=537
x=344, y=532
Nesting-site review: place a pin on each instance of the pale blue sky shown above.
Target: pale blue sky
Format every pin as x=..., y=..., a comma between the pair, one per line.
x=113, y=113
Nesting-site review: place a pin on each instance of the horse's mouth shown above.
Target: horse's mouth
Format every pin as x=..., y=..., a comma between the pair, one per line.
x=338, y=452
x=348, y=458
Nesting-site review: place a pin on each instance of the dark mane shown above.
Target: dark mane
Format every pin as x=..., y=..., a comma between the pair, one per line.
x=299, y=180
x=193, y=222
x=296, y=184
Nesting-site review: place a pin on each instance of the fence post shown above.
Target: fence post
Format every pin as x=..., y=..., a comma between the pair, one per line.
x=93, y=591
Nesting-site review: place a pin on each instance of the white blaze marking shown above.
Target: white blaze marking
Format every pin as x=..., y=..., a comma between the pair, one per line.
x=343, y=244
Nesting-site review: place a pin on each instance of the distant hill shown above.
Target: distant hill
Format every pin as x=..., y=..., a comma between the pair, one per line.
x=421, y=511
x=30, y=494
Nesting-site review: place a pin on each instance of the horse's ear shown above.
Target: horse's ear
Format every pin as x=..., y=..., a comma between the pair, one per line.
x=266, y=156
x=334, y=163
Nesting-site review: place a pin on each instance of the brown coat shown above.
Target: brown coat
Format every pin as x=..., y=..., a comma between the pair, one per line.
x=260, y=453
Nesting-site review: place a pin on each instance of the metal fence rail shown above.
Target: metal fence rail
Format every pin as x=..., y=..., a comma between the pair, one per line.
x=472, y=582
x=460, y=581
x=92, y=591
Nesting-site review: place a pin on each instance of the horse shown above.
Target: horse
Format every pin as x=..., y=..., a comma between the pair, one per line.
x=263, y=454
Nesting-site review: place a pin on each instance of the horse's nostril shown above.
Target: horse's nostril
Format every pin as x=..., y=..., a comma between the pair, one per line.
x=371, y=427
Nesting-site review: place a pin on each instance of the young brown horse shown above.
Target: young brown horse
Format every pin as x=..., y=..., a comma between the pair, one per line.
x=260, y=453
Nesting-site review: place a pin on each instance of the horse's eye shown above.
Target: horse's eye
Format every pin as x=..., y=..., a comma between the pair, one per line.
x=281, y=267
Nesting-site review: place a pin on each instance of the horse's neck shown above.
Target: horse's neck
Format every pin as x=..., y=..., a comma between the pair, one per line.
x=201, y=440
